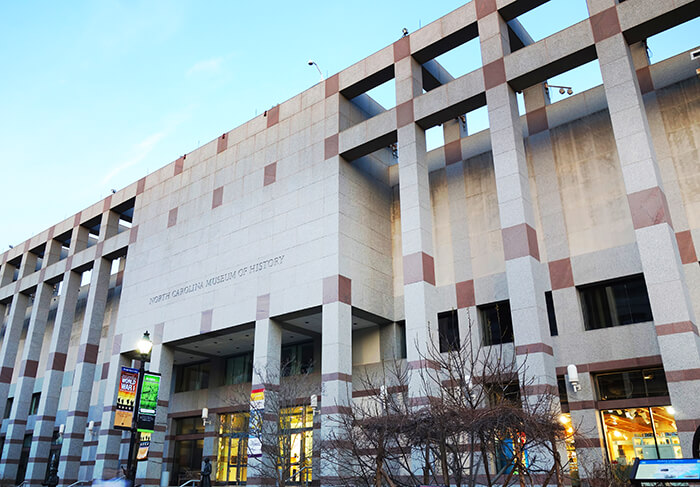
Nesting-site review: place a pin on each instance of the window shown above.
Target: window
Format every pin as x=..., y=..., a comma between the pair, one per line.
x=298, y=359
x=496, y=323
x=188, y=426
x=239, y=369
x=448, y=328
x=8, y=407
x=632, y=384
x=34, y=404
x=614, y=303
x=563, y=394
x=192, y=377
x=232, y=458
x=551, y=316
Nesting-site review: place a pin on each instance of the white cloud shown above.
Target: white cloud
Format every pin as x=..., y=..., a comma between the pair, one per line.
x=206, y=67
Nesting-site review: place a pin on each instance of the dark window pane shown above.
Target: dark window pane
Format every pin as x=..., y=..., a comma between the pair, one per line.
x=613, y=303
x=655, y=382
x=632, y=384
x=497, y=326
x=8, y=407
x=563, y=393
x=297, y=359
x=192, y=377
x=239, y=369
x=401, y=325
x=553, y=331
x=448, y=329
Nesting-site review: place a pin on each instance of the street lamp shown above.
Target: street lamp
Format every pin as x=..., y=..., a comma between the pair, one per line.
x=144, y=347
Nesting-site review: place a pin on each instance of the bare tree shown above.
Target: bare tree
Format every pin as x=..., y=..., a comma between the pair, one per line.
x=281, y=428
x=475, y=428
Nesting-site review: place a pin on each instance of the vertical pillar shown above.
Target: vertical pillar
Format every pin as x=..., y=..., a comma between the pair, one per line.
x=586, y=420
x=53, y=379
x=8, y=352
x=25, y=384
x=84, y=376
x=526, y=280
x=109, y=440
x=336, y=369
x=416, y=221
x=669, y=296
x=266, y=375
x=150, y=473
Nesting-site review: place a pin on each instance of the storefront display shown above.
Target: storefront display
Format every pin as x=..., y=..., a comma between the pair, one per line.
x=641, y=433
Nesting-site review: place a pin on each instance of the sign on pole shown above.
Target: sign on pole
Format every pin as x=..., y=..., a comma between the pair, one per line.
x=148, y=403
x=257, y=407
x=126, y=397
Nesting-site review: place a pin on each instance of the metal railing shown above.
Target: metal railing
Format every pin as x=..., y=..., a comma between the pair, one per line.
x=79, y=482
x=193, y=482
x=24, y=482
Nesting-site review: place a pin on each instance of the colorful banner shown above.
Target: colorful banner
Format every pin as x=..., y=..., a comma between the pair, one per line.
x=257, y=407
x=144, y=444
x=148, y=402
x=126, y=397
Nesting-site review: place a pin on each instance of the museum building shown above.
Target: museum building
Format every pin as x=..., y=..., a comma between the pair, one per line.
x=324, y=235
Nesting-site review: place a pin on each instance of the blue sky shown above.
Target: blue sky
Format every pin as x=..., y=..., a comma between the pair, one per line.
x=95, y=95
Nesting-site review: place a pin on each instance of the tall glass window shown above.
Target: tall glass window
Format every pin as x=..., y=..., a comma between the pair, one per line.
x=192, y=377
x=232, y=458
x=239, y=369
x=614, y=303
x=641, y=433
x=298, y=359
x=496, y=323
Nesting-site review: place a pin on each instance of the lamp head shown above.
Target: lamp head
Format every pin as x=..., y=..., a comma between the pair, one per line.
x=311, y=62
x=404, y=31
x=145, y=345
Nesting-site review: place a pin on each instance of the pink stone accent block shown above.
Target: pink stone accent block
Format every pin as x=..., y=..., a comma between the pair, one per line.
x=76, y=219
x=453, y=152
x=605, y=24
x=682, y=375
x=648, y=207
x=218, y=197
x=57, y=361
x=270, y=174
x=534, y=348
x=141, y=186
x=520, y=241
x=404, y=114
x=172, y=217
x=560, y=274
x=332, y=85
x=418, y=267
x=484, y=8
x=686, y=247
x=337, y=288
x=88, y=353
x=331, y=146
x=262, y=310
x=221, y=144
x=273, y=116
x=673, y=328
x=537, y=121
x=465, y=294
x=6, y=375
x=105, y=371
x=205, y=322
x=402, y=48
x=117, y=344
x=179, y=165
x=28, y=368
x=494, y=74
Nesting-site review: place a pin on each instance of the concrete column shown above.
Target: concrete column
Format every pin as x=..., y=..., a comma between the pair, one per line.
x=109, y=441
x=84, y=376
x=150, y=473
x=266, y=375
x=669, y=295
x=527, y=281
x=585, y=419
x=336, y=374
x=53, y=379
x=28, y=265
x=416, y=221
x=7, y=273
x=52, y=254
x=8, y=352
x=25, y=385
x=110, y=225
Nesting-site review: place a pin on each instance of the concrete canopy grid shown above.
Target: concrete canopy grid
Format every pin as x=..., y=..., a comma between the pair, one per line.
x=335, y=154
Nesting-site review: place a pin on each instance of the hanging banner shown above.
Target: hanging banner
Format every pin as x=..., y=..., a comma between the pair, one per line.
x=257, y=407
x=126, y=397
x=144, y=444
x=148, y=402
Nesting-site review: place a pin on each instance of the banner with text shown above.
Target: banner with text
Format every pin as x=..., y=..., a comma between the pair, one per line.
x=148, y=402
x=126, y=397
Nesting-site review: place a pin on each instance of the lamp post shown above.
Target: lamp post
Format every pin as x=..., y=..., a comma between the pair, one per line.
x=144, y=347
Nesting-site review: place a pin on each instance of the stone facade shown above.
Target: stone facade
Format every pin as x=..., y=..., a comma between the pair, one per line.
x=326, y=220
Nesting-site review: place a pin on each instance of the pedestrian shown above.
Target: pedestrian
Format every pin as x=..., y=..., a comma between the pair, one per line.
x=206, y=474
